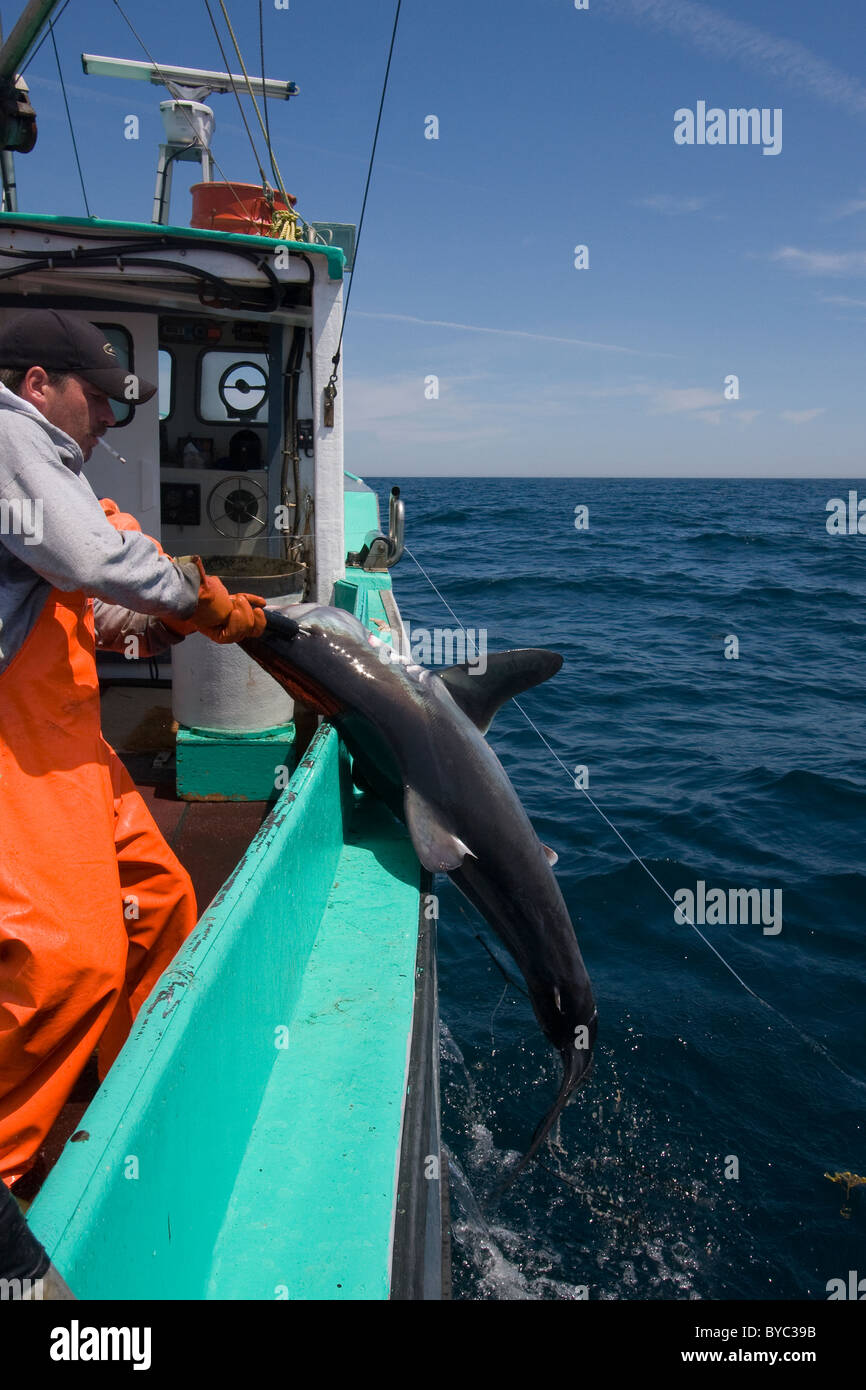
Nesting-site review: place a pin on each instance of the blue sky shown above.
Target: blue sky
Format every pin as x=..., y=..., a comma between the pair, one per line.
x=556, y=128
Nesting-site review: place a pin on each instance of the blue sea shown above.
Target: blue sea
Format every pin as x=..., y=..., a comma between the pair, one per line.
x=693, y=1163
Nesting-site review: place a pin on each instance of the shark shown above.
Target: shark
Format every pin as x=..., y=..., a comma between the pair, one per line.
x=417, y=739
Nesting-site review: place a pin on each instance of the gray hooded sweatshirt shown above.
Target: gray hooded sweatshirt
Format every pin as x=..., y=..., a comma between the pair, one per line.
x=54, y=534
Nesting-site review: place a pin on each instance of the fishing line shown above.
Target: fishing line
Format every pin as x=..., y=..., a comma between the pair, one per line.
x=500, y=967
x=69, y=117
x=264, y=86
x=804, y=1037
x=237, y=94
x=265, y=129
x=495, y=1012
x=336, y=358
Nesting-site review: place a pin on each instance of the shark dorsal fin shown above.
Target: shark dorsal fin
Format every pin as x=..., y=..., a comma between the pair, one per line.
x=480, y=695
x=438, y=849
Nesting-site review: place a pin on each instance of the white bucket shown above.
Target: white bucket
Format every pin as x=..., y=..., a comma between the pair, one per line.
x=221, y=689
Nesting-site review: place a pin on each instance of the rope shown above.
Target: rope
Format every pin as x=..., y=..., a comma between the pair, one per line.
x=69, y=118
x=804, y=1037
x=237, y=96
x=264, y=89
x=274, y=166
x=332, y=384
x=284, y=225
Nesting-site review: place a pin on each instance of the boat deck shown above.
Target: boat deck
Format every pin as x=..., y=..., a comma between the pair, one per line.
x=208, y=837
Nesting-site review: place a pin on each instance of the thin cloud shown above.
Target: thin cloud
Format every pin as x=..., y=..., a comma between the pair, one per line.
x=844, y=300
x=721, y=36
x=510, y=333
x=671, y=205
x=93, y=94
x=675, y=400
x=634, y=388
x=851, y=208
x=822, y=262
x=801, y=417
x=394, y=409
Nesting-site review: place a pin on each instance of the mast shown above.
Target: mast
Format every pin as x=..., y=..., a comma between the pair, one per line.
x=21, y=40
x=17, y=117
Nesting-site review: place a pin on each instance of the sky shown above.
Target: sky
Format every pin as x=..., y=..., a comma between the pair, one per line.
x=556, y=129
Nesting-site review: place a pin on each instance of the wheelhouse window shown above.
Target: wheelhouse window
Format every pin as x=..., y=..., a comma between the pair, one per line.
x=121, y=341
x=166, y=383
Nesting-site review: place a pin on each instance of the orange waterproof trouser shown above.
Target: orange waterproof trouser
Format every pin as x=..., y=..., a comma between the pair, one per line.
x=93, y=904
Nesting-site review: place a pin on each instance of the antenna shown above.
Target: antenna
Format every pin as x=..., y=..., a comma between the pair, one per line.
x=189, y=124
x=198, y=80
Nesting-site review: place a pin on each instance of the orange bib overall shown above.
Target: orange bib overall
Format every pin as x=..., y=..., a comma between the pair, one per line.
x=93, y=903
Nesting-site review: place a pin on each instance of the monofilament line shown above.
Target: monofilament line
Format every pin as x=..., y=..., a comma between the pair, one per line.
x=805, y=1037
x=69, y=117
x=336, y=357
x=593, y=803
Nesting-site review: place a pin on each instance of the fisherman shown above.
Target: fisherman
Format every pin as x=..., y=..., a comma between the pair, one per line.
x=93, y=903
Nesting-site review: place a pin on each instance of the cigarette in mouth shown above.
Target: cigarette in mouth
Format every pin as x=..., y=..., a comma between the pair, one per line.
x=118, y=456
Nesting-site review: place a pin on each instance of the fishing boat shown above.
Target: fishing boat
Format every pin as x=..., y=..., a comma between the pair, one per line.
x=271, y=1127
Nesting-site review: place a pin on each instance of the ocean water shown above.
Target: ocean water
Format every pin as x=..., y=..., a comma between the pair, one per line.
x=692, y=1164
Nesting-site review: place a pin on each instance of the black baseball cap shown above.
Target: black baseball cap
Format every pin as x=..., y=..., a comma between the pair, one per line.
x=63, y=343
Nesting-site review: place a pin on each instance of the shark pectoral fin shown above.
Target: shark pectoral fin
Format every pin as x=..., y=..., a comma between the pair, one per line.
x=437, y=848
x=481, y=693
x=551, y=854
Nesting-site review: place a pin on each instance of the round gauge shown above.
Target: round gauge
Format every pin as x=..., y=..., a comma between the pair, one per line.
x=243, y=389
x=237, y=508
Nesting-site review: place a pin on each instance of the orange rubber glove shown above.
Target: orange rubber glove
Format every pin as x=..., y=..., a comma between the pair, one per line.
x=247, y=619
x=221, y=616
x=121, y=521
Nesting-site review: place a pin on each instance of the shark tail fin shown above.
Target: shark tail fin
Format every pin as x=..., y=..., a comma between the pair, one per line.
x=576, y=1072
x=480, y=694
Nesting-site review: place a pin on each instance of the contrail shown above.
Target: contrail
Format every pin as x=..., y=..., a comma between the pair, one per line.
x=716, y=33
x=511, y=333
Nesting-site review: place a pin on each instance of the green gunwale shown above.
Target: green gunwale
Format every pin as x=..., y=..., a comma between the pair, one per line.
x=333, y=254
